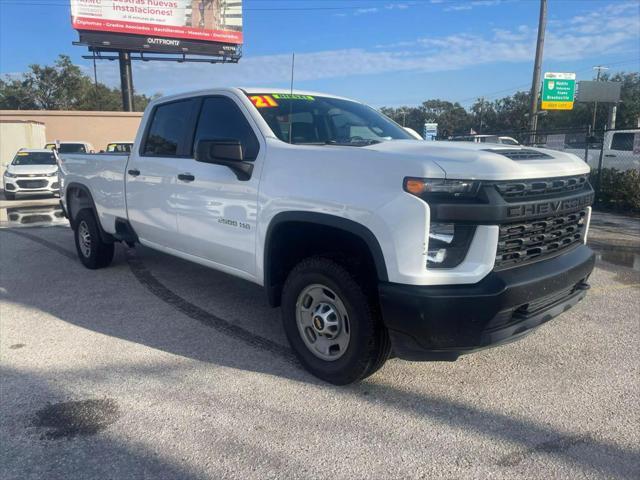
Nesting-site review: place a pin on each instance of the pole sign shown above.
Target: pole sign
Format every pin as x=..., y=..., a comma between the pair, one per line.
x=198, y=27
x=430, y=131
x=558, y=91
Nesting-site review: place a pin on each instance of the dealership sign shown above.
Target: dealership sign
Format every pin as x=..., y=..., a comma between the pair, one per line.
x=185, y=26
x=558, y=91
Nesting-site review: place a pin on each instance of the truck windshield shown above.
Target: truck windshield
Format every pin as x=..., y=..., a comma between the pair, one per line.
x=34, y=158
x=313, y=120
x=119, y=147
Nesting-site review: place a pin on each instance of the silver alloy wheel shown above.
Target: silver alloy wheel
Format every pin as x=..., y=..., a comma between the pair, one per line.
x=323, y=322
x=84, y=239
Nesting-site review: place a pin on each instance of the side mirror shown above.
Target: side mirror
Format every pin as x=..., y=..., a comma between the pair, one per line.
x=227, y=152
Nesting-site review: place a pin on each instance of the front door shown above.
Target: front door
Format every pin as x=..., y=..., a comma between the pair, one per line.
x=216, y=211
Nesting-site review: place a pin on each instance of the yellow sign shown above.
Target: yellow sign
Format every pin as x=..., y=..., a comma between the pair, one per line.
x=557, y=105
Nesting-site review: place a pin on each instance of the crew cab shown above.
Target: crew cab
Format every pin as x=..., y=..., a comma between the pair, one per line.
x=372, y=242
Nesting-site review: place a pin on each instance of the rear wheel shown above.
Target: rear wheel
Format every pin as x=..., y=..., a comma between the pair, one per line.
x=92, y=251
x=332, y=323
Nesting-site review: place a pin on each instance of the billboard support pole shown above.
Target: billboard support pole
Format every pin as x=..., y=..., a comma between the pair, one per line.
x=535, y=85
x=126, y=81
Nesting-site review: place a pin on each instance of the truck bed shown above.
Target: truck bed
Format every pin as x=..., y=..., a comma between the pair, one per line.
x=104, y=174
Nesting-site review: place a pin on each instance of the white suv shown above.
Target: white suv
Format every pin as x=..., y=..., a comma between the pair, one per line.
x=31, y=172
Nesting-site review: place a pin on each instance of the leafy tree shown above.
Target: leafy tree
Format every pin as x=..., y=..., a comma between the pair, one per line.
x=510, y=114
x=61, y=86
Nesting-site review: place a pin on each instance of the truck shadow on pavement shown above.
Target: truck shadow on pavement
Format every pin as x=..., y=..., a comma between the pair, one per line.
x=530, y=439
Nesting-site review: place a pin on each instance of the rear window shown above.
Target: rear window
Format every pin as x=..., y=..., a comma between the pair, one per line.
x=622, y=141
x=170, y=129
x=34, y=158
x=72, y=148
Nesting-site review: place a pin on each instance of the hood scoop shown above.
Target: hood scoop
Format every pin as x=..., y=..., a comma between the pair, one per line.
x=519, y=153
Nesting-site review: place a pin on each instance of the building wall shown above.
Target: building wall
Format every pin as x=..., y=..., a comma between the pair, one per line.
x=15, y=135
x=97, y=128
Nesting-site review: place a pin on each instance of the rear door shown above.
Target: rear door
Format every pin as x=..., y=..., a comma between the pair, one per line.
x=152, y=172
x=217, y=211
x=621, y=154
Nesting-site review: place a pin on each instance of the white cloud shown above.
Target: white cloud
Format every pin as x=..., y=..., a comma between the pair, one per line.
x=469, y=5
x=579, y=37
x=370, y=10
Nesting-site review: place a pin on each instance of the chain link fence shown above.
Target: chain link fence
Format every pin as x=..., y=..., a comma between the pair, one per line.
x=613, y=155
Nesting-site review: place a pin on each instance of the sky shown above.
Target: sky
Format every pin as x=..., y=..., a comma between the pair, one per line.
x=383, y=52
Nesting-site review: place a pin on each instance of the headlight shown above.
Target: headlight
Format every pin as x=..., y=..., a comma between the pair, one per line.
x=54, y=174
x=9, y=174
x=440, y=187
x=448, y=244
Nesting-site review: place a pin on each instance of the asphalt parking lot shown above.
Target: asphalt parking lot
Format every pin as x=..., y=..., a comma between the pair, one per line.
x=158, y=368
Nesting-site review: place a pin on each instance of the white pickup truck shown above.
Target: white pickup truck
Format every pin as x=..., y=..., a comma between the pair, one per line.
x=373, y=243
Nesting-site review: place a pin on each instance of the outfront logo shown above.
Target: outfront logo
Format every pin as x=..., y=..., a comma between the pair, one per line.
x=163, y=41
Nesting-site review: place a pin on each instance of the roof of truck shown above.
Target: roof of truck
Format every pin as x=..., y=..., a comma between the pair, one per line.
x=245, y=90
x=253, y=90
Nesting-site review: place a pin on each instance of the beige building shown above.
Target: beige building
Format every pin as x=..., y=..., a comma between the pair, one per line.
x=97, y=128
x=17, y=134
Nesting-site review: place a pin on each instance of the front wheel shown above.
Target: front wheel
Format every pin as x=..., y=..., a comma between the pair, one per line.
x=331, y=322
x=92, y=251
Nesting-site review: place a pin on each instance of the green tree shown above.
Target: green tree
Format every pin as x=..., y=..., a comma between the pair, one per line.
x=61, y=86
x=510, y=114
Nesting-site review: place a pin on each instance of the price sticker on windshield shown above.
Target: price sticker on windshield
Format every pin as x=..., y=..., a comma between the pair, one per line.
x=263, y=101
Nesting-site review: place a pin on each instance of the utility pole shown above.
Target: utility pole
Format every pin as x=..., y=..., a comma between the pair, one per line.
x=481, y=113
x=535, y=84
x=126, y=81
x=595, y=104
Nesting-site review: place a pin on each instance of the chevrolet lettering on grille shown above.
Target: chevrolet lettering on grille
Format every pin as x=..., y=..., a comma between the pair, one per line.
x=549, y=207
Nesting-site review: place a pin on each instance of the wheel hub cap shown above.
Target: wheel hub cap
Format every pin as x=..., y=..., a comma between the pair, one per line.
x=323, y=322
x=84, y=239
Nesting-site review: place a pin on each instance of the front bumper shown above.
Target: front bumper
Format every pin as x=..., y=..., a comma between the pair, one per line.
x=31, y=185
x=444, y=322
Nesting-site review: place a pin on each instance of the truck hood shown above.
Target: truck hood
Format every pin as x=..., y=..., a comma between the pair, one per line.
x=32, y=169
x=485, y=161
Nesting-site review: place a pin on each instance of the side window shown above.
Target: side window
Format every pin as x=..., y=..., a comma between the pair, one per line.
x=169, y=127
x=622, y=141
x=221, y=119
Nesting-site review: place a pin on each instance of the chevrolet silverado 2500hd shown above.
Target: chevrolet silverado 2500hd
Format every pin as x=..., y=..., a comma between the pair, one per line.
x=369, y=240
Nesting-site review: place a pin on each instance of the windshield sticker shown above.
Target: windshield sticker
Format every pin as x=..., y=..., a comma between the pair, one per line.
x=263, y=101
x=23, y=154
x=287, y=96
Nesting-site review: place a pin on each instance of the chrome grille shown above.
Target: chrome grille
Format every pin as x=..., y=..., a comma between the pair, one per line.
x=523, y=242
x=32, y=183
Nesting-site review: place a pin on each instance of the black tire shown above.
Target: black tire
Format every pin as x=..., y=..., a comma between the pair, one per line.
x=9, y=196
x=95, y=253
x=369, y=345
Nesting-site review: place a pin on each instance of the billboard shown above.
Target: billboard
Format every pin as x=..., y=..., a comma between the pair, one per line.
x=593, y=91
x=200, y=27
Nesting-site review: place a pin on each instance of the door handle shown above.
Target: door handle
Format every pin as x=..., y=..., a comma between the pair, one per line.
x=609, y=155
x=186, y=177
x=134, y=172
